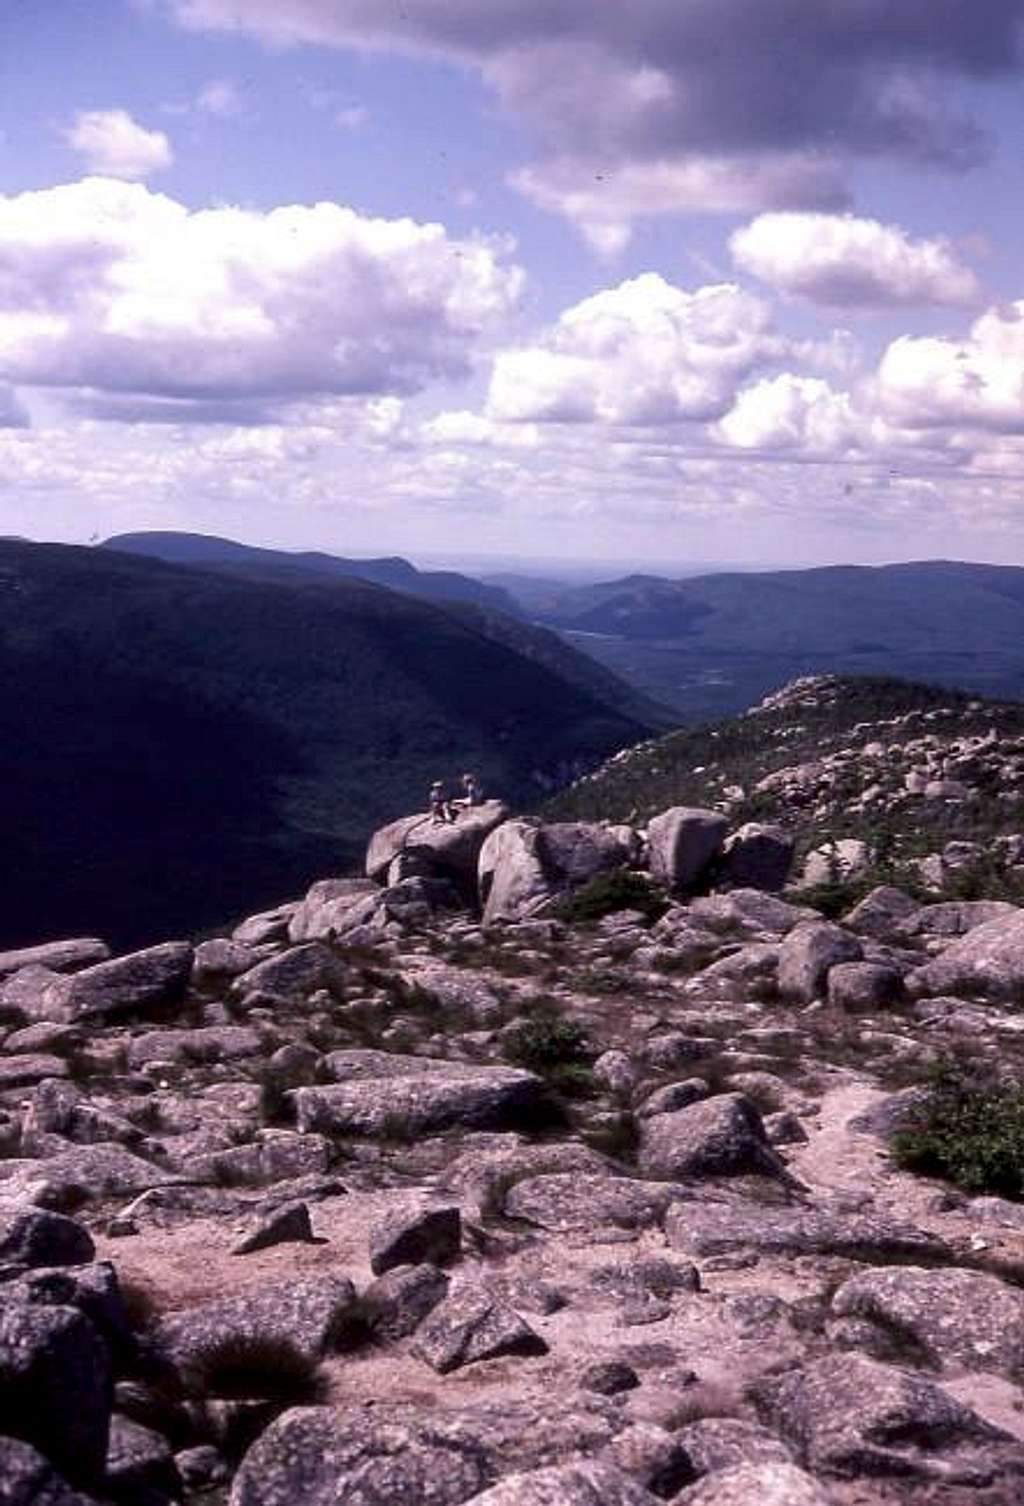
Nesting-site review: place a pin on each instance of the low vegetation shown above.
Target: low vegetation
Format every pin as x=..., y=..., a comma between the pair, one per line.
x=608, y=893
x=968, y=1130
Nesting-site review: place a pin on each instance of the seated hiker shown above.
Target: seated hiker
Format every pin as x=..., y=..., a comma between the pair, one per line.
x=472, y=793
x=439, y=805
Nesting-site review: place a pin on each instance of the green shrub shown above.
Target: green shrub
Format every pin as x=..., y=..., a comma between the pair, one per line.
x=969, y=1130
x=547, y=1042
x=618, y=889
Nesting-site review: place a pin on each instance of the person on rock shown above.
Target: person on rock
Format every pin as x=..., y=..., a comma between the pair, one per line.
x=439, y=805
x=472, y=794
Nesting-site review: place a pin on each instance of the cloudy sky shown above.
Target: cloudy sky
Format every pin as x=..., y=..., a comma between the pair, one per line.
x=668, y=281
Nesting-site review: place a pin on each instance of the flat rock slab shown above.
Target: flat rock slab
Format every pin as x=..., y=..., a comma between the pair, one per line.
x=720, y=1228
x=580, y=1200
x=304, y=1313
x=470, y=1325
x=962, y=1320
x=847, y=1415
x=25, y=1071
x=212, y=1043
x=156, y=976
x=320, y=1457
x=86, y=1173
x=415, y=1095
x=58, y=956
x=756, y=1485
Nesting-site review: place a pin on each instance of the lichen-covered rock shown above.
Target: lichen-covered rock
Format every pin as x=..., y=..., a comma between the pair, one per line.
x=471, y=1325
x=27, y=1479
x=847, y=1415
x=524, y=865
x=56, y=1388
x=583, y=1483
x=960, y=1320
x=808, y=954
x=321, y=1457
x=35, y=1237
x=324, y=910
x=987, y=963
x=720, y=1136
x=450, y=847
x=767, y=1484
x=718, y=1228
x=413, y=1232
x=58, y=956
x=682, y=842
x=155, y=976
x=394, y=1306
x=580, y=1200
x=295, y=973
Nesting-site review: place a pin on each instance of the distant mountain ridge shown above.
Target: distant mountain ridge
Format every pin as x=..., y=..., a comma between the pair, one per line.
x=199, y=549
x=711, y=645
x=180, y=745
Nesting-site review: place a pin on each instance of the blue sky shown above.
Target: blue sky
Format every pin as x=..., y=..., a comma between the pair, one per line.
x=730, y=280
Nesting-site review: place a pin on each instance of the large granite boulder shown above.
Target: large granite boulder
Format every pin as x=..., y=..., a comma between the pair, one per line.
x=987, y=963
x=58, y=956
x=960, y=1320
x=766, y=1484
x=808, y=954
x=470, y=1325
x=143, y=980
x=387, y=1096
x=682, y=843
x=587, y=1482
x=847, y=1415
x=35, y=1237
x=721, y=1136
x=294, y=973
x=56, y=1387
x=524, y=865
x=321, y=1457
x=451, y=849
x=327, y=907
x=757, y=857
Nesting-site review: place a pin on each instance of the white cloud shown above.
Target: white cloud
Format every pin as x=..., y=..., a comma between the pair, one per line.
x=924, y=382
x=220, y=97
x=461, y=427
x=788, y=412
x=847, y=262
x=644, y=352
x=114, y=144
x=108, y=286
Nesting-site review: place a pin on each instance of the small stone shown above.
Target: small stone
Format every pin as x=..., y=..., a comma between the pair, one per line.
x=288, y=1224
x=609, y=1377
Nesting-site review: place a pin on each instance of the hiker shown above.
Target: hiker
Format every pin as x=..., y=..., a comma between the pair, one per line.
x=439, y=805
x=472, y=794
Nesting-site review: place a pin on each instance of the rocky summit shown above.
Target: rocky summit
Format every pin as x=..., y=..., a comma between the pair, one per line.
x=547, y=1163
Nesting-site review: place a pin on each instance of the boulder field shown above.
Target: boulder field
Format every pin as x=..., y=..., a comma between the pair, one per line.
x=422, y=1189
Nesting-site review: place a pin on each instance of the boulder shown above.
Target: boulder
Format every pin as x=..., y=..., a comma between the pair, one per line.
x=883, y=914
x=704, y=1229
x=470, y=1325
x=808, y=953
x=847, y=1415
x=391, y=1096
x=757, y=857
x=220, y=958
x=295, y=973
x=483, y=1177
x=414, y=1233
x=748, y=910
x=86, y=1173
x=987, y=963
x=450, y=848
x=25, y=1071
x=959, y=1320
x=863, y=985
x=34, y=1237
x=394, y=1306
x=200, y=1047
x=953, y=918
x=27, y=1479
x=525, y=865
x=304, y=1312
x=56, y=1387
x=682, y=843
x=268, y=926
x=720, y=1136
x=583, y=1483
x=288, y=1224
x=58, y=956
x=576, y=1200
x=767, y=1484
x=721, y=1443
x=324, y=911
x=320, y=1457
x=835, y=862
x=93, y=1289
x=142, y=980
x=140, y=1465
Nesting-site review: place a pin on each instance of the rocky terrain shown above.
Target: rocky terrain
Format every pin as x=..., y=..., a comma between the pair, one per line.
x=547, y=1164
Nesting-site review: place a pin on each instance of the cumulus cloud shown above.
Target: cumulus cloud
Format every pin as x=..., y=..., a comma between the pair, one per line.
x=108, y=286
x=114, y=144
x=220, y=97
x=714, y=86
x=645, y=352
x=927, y=382
x=846, y=262
x=789, y=412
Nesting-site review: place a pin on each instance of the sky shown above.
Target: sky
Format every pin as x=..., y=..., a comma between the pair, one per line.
x=668, y=282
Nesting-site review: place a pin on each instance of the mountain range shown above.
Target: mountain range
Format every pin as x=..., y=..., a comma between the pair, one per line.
x=178, y=744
